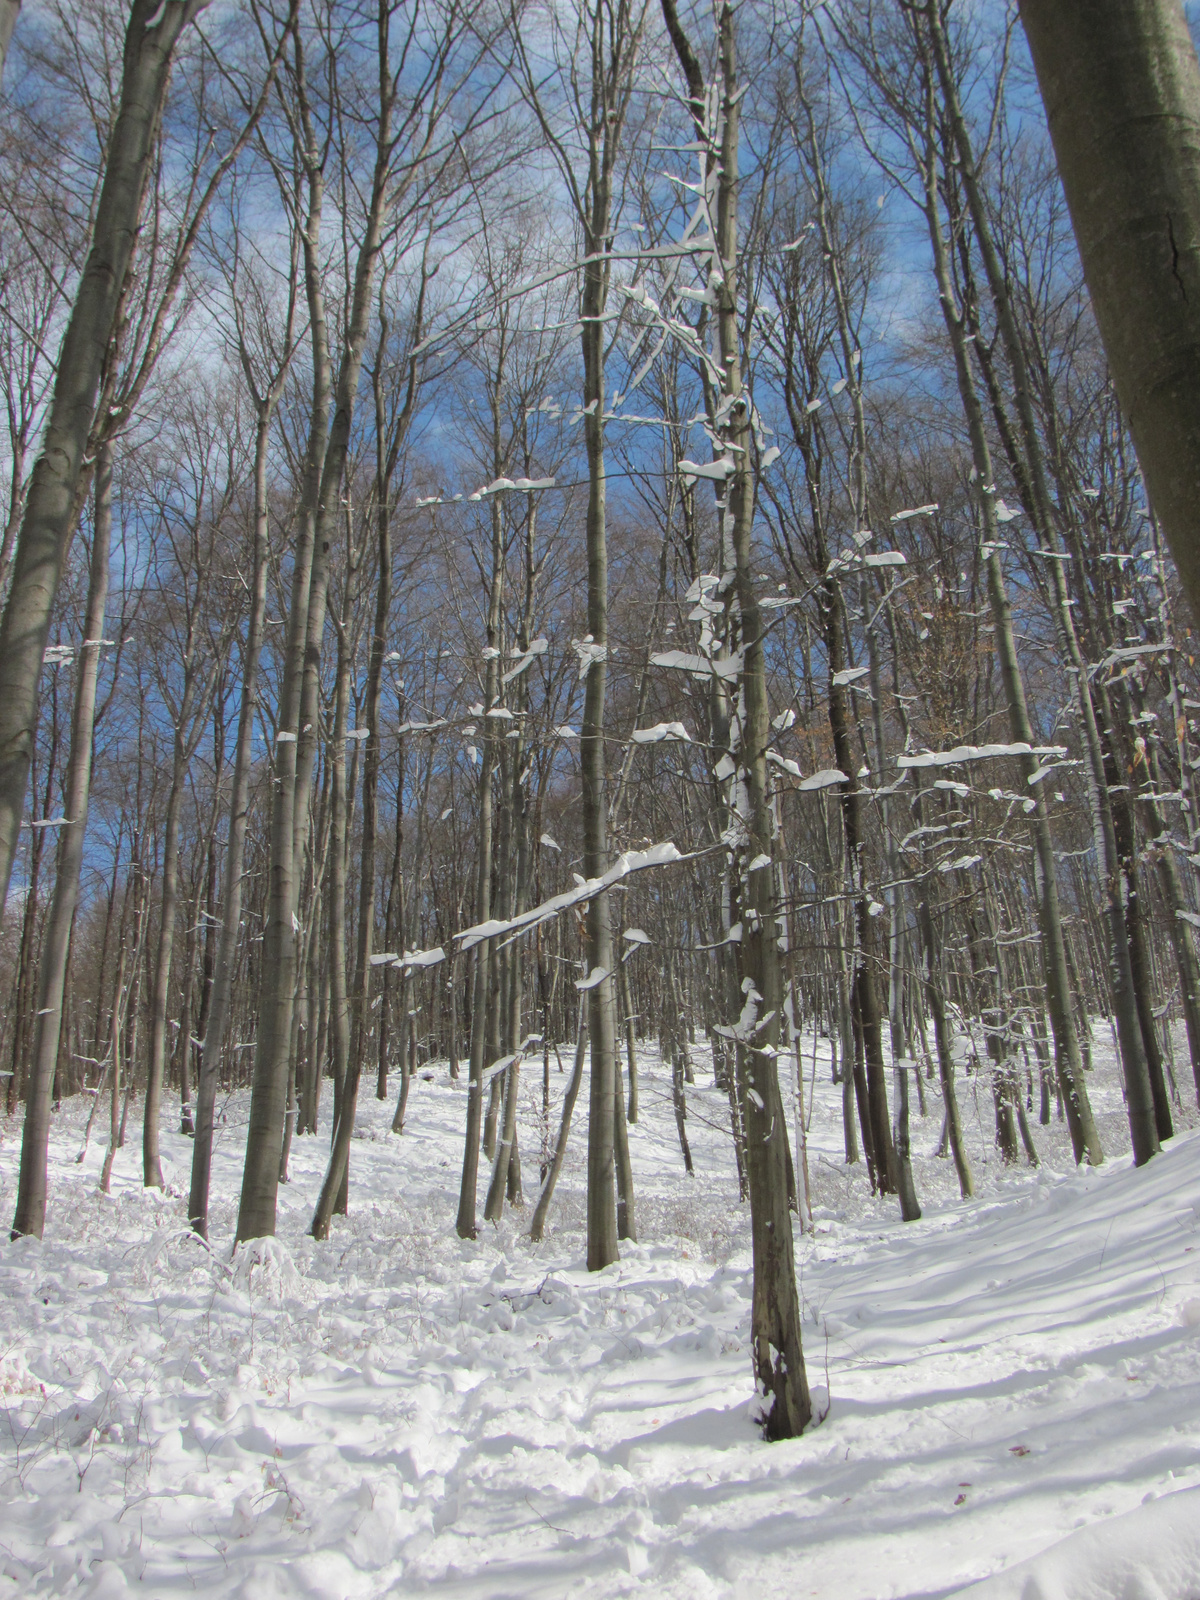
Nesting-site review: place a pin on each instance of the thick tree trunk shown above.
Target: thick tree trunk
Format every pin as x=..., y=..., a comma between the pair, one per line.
x=10, y=10
x=1121, y=86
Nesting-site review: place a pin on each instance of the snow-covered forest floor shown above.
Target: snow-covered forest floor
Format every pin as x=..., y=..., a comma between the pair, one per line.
x=396, y=1412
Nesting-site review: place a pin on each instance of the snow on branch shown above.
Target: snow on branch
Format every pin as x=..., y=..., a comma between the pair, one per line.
x=978, y=752
x=658, y=855
x=659, y=732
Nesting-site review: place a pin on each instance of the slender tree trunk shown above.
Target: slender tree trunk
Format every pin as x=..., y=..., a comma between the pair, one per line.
x=114, y=1049
x=299, y=705
x=630, y=1044
x=482, y=956
x=775, y=1311
x=56, y=942
x=1084, y=1136
x=602, y=1246
x=538, y=1226
x=347, y=1063
x=160, y=988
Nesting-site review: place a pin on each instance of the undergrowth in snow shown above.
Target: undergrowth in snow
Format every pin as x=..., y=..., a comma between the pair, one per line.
x=395, y=1412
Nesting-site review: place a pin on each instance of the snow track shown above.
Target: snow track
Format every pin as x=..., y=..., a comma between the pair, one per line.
x=394, y=1412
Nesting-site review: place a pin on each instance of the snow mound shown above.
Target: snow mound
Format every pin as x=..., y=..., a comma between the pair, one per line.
x=1151, y=1553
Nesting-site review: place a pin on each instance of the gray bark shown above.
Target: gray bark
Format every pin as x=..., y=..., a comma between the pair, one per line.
x=48, y=522
x=10, y=10
x=775, y=1312
x=1084, y=1137
x=1121, y=86
x=235, y=849
x=56, y=943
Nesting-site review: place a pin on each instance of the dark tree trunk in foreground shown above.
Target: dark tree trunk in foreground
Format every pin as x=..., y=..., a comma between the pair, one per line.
x=1121, y=85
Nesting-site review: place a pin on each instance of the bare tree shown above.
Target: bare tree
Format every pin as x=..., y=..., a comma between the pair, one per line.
x=52, y=503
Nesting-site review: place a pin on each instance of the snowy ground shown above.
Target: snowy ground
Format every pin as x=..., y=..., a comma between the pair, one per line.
x=396, y=1412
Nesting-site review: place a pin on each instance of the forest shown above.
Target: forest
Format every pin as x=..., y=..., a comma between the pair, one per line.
x=598, y=741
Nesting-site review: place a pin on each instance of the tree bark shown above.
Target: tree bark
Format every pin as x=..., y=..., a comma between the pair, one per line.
x=10, y=10
x=49, y=518
x=56, y=943
x=1121, y=86
x=775, y=1312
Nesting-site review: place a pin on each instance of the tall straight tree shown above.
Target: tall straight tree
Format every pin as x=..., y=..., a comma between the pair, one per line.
x=429, y=64
x=775, y=1312
x=265, y=359
x=609, y=35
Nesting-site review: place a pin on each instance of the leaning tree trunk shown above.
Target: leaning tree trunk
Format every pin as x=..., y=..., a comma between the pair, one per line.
x=56, y=942
x=1121, y=87
x=49, y=518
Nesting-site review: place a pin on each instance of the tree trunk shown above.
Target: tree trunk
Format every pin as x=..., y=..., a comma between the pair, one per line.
x=1121, y=87
x=56, y=943
x=1084, y=1136
x=538, y=1226
x=10, y=10
x=49, y=518
x=184, y=749
x=347, y=1063
x=299, y=704
x=775, y=1312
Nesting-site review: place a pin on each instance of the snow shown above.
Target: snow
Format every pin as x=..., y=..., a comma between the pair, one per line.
x=977, y=752
x=1012, y=1383
x=421, y=958
x=718, y=470
x=657, y=855
x=827, y=778
x=1112, y=1561
x=725, y=667
x=594, y=978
